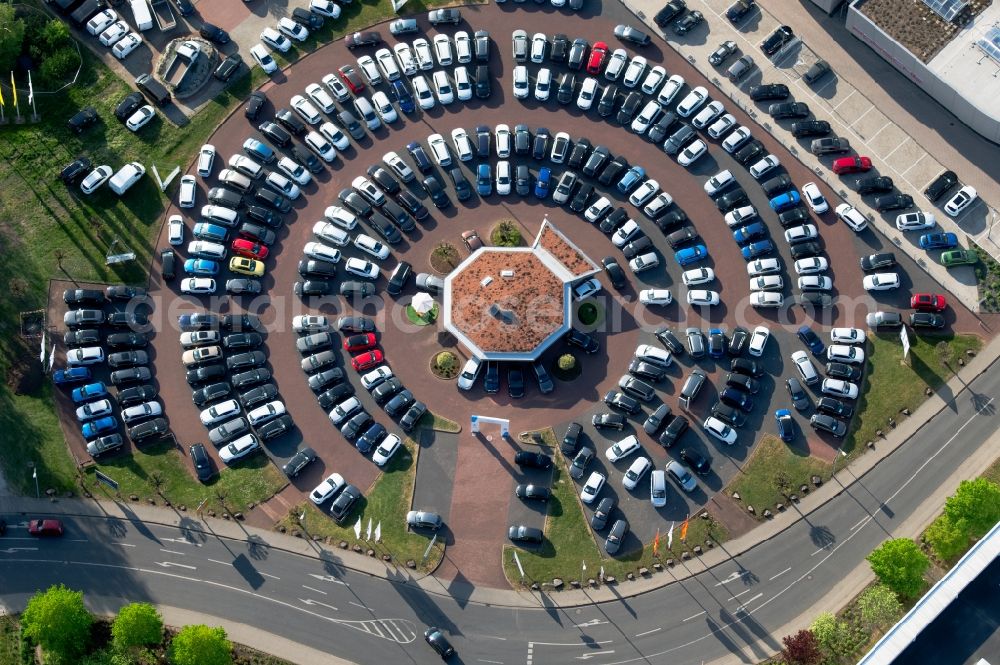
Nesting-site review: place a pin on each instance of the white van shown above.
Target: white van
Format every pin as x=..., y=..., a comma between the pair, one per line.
x=220, y=215
x=127, y=176
x=142, y=14
x=206, y=250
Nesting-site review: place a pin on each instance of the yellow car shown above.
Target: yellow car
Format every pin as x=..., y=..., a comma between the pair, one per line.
x=245, y=266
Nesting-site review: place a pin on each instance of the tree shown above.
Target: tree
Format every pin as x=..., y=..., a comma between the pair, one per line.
x=802, y=648
x=58, y=621
x=833, y=635
x=200, y=645
x=948, y=538
x=900, y=565
x=977, y=503
x=567, y=362
x=879, y=607
x=137, y=624
x=11, y=37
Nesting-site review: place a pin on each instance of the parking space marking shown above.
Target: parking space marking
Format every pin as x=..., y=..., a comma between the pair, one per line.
x=851, y=125
x=853, y=90
x=887, y=124
x=915, y=162
x=901, y=144
x=780, y=574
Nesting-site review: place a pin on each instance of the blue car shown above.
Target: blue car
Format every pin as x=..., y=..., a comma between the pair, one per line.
x=258, y=150
x=89, y=392
x=785, y=201
x=210, y=232
x=65, y=377
x=811, y=340
x=786, y=426
x=938, y=241
x=201, y=267
x=403, y=97
x=542, y=183
x=755, y=249
x=750, y=232
x=99, y=426
x=692, y=254
x=631, y=179
x=484, y=180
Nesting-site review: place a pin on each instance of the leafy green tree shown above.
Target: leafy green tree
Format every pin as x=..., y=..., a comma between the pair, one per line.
x=201, y=645
x=11, y=37
x=948, y=538
x=833, y=635
x=58, y=621
x=59, y=66
x=977, y=503
x=879, y=607
x=137, y=624
x=802, y=648
x=900, y=565
x=55, y=35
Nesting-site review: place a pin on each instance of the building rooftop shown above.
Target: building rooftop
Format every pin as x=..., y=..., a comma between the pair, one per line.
x=563, y=250
x=967, y=67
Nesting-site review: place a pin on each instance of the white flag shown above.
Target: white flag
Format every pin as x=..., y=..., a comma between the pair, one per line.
x=41, y=356
x=396, y=4
x=31, y=91
x=357, y=529
x=52, y=358
x=368, y=536
x=585, y=565
x=378, y=532
x=602, y=573
x=670, y=535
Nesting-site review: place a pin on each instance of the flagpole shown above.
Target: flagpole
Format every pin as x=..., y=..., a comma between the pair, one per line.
x=31, y=99
x=13, y=93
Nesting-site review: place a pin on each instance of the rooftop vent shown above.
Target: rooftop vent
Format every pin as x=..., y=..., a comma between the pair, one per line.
x=507, y=274
x=486, y=281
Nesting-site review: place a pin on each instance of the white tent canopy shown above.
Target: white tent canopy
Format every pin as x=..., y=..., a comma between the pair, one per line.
x=422, y=303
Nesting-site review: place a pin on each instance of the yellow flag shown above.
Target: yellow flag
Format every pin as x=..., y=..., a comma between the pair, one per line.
x=1, y=96
x=13, y=89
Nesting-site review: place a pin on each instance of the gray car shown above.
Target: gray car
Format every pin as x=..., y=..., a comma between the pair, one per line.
x=602, y=513
x=616, y=536
x=424, y=519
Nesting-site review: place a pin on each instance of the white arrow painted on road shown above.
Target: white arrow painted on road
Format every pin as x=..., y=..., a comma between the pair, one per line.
x=170, y=564
x=592, y=622
x=588, y=656
x=328, y=578
x=309, y=601
x=733, y=576
x=11, y=550
x=182, y=541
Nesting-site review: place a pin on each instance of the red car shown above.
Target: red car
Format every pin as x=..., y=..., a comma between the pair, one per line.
x=351, y=78
x=367, y=360
x=359, y=342
x=45, y=528
x=248, y=248
x=852, y=165
x=928, y=302
x=597, y=55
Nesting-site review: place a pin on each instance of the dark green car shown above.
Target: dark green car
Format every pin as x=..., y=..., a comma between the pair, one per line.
x=959, y=257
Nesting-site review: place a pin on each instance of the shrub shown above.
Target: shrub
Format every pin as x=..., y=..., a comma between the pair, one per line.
x=57, y=68
x=506, y=234
x=201, y=645
x=567, y=362
x=976, y=503
x=137, y=624
x=446, y=361
x=947, y=538
x=802, y=648
x=879, y=607
x=833, y=635
x=900, y=565
x=58, y=621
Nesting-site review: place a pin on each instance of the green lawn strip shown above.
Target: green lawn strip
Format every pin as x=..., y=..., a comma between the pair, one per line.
x=892, y=385
x=386, y=501
x=438, y=423
x=757, y=483
x=10, y=641
x=33, y=440
x=253, y=480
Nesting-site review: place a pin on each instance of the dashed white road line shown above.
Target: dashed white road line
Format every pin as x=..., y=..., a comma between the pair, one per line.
x=780, y=574
x=224, y=563
x=312, y=589
x=172, y=552
x=739, y=594
x=273, y=577
x=694, y=616
x=649, y=632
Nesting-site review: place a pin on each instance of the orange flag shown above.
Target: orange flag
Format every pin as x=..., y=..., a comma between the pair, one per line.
x=656, y=544
x=684, y=529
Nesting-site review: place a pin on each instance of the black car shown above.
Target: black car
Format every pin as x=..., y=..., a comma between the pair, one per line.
x=82, y=119
x=800, y=399
x=629, y=108
x=940, y=185
x=622, y=402
x=619, y=530
x=788, y=110
x=738, y=341
x=582, y=340
x=570, y=439
x=688, y=22
x=880, y=261
x=341, y=507
x=533, y=460
x=577, y=53
x=696, y=461
x=126, y=340
x=669, y=340
x=655, y=421
x=834, y=407
x=682, y=236
x=357, y=424
x=311, y=268
x=793, y=217
x=810, y=128
x=843, y=371
x=559, y=48
x=638, y=246
x=613, y=170
x=777, y=39
x=205, y=374
x=614, y=272
x=804, y=250
x=400, y=403
x=579, y=153
x=259, y=395
x=745, y=366
x=225, y=197
x=370, y=438
x=658, y=131
x=323, y=380
x=436, y=191
x=828, y=424
x=491, y=383
x=307, y=18
x=580, y=462
x=463, y=190
x=202, y=462
x=608, y=101
x=543, y=378
x=776, y=185
x=148, y=430
x=251, y=378
x=736, y=398
x=412, y=416
x=255, y=102
x=306, y=157
x=355, y=324
x=533, y=492
x=76, y=170
x=275, y=428
x=515, y=383
x=732, y=200
x=646, y=370
x=742, y=382
x=893, y=202
x=128, y=106
x=246, y=360
x=738, y=10
x=355, y=289
x=728, y=414
x=602, y=513
x=360, y=39
x=273, y=199
x=240, y=341
x=290, y=121
x=129, y=320
x=437, y=641
x=926, y=320
x=873, y=184
x=566, y=88
x=670, y=11
x=299, y=461
x=582, y=198
x=334, y=396
x=228, y=67
x=611, y=223
x=615, y=421
x=131, y=375
x=136, y=395
x=383, y=179
x=213, y=33
x=276, y=134
x=750, y=153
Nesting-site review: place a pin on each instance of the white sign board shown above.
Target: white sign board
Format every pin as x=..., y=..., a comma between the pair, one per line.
x=905, y=339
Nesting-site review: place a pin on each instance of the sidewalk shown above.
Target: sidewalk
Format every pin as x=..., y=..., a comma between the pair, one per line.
x=894, y=151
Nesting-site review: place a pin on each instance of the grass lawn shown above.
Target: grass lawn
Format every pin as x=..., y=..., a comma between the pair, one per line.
x=892, y=385
x=993, y=472
x=387, y=501
x=10, y=641
x=436, y=422
x=569, y=541
x=757, y=486
x=251, y=481
x=31, y=436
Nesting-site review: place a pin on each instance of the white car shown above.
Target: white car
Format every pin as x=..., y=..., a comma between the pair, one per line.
x=692, y=102
x=766, y=299
x=695, y=151
x=654, y=355
x=915, y=221
x=206, y=159
x=503, y=179
x=368, y=67
x=811, y=266
x=470, y=372
x=815, y=199
x=371, y=246
x=325, y=8
x=758, y=341
x=847, y=336
x=815, y=283
x=851, y=216
x=442, y=88
x=442, y=50
x=588, y=92
x=266, y=412
x=263, y=58
x=187, y=192
x=294, y=170
x=653, y=80
x=309, y=323
x=644, y=192
x=764, y=166
x=380, y=374
x=422, y=91
x=595, y=482
x=404, y=56
x=881, y=281
x=963, y=199
x=763, y=267
x=702, y=297
x=341, y=217
x=616, y=64
x=96, y=178
x=697, y=276
x=586, y=289
x=318, y=143
x=439, y=150
x=767, y=283
x=807, y=371
x=463, y=46
x=801, y=233
x=708, y=115
x=599, y=209
x=463, y=84
x=719, y=430
x=622, y=449
x=660, y=202
x=520, y=82
x=634, y=72
x=114, y=32
x=735, y=139
x=321, y=97
x=543, y=85
x=246, y=166
x=96, y=409
x=502, y=140
x=219, y=412
x=670, y=89
x=361, y=268
x=387, y=63
x=719, y=181
x=422, y=51
x=539, y=45
x=275, y=40
x=175, y=230
x=326, y=489
x=331, y=233
x=463, y=146
x=141, y=411
x=651, y=297
x=296, y=31
x=282, y=185
x=721, y=126
x=840, y=388
x=200, y=338
x=386, y=449
x=101, y=21
x=88, y=355
x=647, y=116
x=241, y=447
x=740, y=216
x=126, y=45
x=198, y=285
x=398, y=166
x=846, y=354
x=639, y=468
x=621, y=236
x=336, y=87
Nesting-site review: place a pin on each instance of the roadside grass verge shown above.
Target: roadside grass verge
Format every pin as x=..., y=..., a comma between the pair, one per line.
x=386, y=501
x=10, y=641
x=438, y=423
x=32, y=439
x=771, y=464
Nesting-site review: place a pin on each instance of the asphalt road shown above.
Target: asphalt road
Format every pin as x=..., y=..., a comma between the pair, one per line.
x=725, y=609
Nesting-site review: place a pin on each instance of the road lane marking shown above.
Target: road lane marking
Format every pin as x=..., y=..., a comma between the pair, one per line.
x=328, y=578
x=494, y=637
x=310, y=601
x=738, y=595
x=11, y=550
x=181, y=541
x=483, y=660
x=224, y=563
x=694, y=616
x=123, y=544
x=172, y=552
x=780, y=574
x=649, y=632
x=171, y=564
x=733, y=576
x=592, y=622
x=588, y=656
x=273, y=577
x=566, y=644
x=357, y=605
x=312, y=589
x=859, y=523
x=743, y=605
